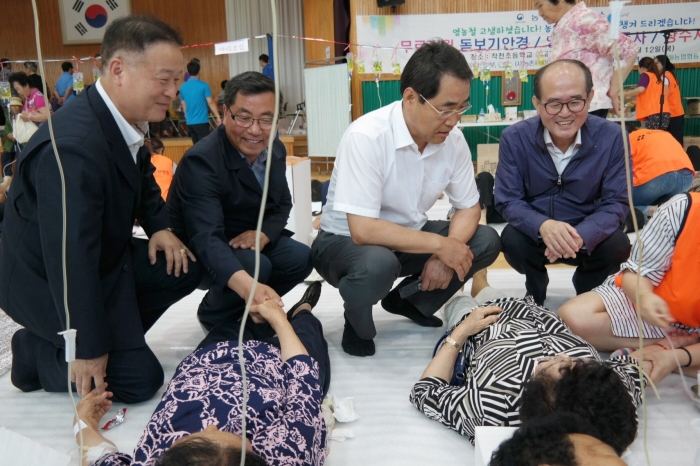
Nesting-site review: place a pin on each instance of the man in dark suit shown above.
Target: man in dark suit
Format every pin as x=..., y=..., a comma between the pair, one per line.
x=117, y=287
x=215, y=198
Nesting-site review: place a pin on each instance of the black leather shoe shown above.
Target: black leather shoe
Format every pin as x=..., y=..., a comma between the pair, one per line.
x=310, y=297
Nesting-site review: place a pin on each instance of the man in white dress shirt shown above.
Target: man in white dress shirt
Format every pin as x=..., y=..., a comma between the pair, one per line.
x=391, y=167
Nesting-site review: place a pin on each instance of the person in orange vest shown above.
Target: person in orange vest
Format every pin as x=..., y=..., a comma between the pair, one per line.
x=648, y=90
x=165, y=167
x=661, y=168
x=669, y=302
x=674, y=102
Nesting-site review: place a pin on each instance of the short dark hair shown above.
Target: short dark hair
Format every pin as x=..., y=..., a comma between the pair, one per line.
x=66, y=66
x=4, y=61
x=135, y=34
x=31, y=65
x=590, y=389
x=556, y=2
x=429, y=63
x=264, y=58
x=666, y=64
x=247, y=83
x=203, y=452
x=193, y=68
x=154, y=145
x=544, y=440
x=223, y=84
x=21, y=78
x=541, y=72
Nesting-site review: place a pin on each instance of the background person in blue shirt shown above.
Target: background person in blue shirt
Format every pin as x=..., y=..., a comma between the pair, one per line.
x=196, y=102
x=64, y=84
x=267, y=68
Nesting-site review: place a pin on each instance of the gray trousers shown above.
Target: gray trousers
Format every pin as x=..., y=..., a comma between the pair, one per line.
x=364, y=274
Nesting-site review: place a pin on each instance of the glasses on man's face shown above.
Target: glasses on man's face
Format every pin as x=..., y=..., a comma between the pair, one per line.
x=574, y=106
x=447, y=113
x=247, y=122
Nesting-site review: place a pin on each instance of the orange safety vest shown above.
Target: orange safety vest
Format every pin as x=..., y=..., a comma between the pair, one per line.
x=163, y=173
x=655, y=153
x=675, y=106
x=648, y=101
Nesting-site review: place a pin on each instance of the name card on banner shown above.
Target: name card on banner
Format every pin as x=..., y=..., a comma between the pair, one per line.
x=234, y=46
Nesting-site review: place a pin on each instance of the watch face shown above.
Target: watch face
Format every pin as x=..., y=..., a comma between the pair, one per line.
x=85, y=21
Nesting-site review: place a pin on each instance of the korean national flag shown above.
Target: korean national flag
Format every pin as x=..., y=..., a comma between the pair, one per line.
x=85, y=21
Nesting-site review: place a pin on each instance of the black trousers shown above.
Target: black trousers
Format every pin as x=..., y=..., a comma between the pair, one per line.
x=199, y=131
x=527, y=257
x=603, y=112
x=364, y=274
x=307, y=327
x=133, y=375
x=282, y=267
x=675, y=127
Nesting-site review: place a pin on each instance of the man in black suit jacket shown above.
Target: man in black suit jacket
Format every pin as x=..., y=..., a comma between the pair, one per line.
x=117, y=286
x=215, y=198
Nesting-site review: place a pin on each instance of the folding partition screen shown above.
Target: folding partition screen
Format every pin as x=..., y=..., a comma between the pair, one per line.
x=327, y=108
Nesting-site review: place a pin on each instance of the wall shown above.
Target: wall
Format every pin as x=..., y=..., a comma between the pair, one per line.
x=204, y=23
x=318, y=23
x=417, y=7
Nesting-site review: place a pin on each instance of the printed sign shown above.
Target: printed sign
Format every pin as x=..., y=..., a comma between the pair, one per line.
x=522, y=38
x=234, y=46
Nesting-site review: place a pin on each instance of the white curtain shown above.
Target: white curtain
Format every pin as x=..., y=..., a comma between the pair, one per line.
x=250, y=18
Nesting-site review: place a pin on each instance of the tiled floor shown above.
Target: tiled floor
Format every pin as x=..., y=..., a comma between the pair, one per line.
x=390, y=431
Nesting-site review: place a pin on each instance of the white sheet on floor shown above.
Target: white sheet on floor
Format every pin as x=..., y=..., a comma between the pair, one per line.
x=390, y=430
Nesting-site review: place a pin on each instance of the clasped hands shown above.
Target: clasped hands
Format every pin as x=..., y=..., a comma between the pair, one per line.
x=452, y=256
x=562, y=240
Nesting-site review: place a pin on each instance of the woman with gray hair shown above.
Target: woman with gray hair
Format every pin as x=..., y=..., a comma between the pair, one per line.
x=35, y=79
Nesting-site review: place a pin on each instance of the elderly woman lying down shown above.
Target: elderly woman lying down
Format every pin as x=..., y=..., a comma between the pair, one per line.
x=520, y=361
x=198, y=421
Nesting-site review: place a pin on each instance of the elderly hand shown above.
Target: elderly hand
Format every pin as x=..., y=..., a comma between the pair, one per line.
x=246, y=240
x=267, y=312
x=562, y=240
x=176, y=253
x=479, y=319
x=10, y=136
x=83, y=371
x=24, y=116
x=94, y=405
x=436, y=275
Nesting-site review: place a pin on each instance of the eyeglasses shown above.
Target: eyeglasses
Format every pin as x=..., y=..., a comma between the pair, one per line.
x=574, y=106
x=447, y=113
x=247, y=122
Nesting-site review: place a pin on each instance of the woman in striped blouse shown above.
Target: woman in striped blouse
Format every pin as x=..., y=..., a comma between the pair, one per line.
x=607, y=318
x=521, y=361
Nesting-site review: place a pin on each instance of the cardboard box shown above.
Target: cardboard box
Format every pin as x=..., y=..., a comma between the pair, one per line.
x=486, y=158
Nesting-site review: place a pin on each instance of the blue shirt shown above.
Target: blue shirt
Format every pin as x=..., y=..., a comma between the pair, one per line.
x=195, y=92
x=62, y=84
x=258, y=167
x=269, y=71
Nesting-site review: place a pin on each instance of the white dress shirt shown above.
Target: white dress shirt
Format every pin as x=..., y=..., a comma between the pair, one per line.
x=561, y=159
x=380, y=173
x=133, y=134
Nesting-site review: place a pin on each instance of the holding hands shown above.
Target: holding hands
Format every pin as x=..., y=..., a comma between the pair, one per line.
x=478, y=320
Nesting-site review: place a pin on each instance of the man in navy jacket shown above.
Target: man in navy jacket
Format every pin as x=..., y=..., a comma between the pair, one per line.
x=215, y=198
x=561, y=186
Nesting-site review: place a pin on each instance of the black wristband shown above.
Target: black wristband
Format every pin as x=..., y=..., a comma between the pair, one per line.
x=690, y=358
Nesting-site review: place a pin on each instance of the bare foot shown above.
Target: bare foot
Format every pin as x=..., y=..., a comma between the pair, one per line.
x=479, y=282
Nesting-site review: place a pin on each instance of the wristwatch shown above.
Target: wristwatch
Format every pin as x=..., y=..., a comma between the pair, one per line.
x=451, y=341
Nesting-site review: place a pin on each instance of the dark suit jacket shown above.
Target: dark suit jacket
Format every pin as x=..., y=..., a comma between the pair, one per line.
x=105, y=192
x=215, y=196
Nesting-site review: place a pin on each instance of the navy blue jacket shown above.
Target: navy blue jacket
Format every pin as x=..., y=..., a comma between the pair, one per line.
x=590, y=194
x=105, y=192
x=215, y=197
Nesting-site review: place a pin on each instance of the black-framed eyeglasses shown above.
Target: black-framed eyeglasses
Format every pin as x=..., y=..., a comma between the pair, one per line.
x=247, y=122
x=447, y=113
x=574, y=106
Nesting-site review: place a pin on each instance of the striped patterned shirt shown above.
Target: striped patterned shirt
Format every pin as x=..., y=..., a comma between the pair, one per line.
x=499, y=361
x=659, y=241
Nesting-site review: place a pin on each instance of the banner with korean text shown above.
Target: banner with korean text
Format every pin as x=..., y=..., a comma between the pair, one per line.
x=517, y=39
